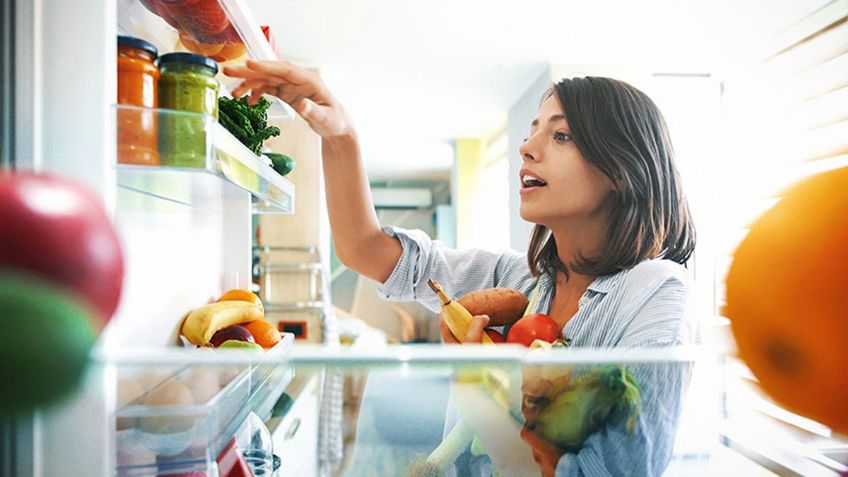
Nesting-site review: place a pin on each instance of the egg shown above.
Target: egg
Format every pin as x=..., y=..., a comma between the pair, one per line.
x=173, y=394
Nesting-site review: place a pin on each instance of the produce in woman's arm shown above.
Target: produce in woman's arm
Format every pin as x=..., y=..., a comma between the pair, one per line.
x=533, y=327
x=604, y=394
x=455, y=315
x=504, y=306
x=564, y=405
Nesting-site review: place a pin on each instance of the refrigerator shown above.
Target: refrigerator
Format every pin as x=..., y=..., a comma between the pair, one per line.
x=186, y=232
x=368, y=409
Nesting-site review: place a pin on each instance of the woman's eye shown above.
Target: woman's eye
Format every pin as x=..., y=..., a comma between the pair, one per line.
x=525, y=139
x=561, y=137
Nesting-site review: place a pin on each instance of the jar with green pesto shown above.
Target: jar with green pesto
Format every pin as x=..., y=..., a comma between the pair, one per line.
x=187, y=83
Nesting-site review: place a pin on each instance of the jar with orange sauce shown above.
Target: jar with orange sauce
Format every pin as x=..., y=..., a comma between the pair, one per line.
x=138, y=86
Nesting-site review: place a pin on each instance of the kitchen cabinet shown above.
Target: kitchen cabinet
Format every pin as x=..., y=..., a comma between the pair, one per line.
x=295, y=433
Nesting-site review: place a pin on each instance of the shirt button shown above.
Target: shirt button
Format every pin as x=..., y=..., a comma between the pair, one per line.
x=584, y=300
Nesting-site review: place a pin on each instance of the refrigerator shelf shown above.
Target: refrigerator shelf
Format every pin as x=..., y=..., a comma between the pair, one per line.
x=203, y=168
x=162, y=439
x=226, y=32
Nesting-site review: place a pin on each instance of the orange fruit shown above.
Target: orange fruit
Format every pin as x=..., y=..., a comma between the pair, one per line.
x=238, y=294
x=265, y=334
x=205, y=49
x=787, y=297
x=230, y=51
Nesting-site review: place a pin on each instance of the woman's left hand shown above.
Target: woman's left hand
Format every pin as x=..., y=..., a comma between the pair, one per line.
x=474, y=334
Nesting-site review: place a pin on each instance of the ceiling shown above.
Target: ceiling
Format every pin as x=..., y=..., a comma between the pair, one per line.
x=415, y=75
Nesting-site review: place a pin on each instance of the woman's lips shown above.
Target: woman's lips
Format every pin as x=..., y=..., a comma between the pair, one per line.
x=530, y=181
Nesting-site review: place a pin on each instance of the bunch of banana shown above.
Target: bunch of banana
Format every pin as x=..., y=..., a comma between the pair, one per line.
x=201, y=323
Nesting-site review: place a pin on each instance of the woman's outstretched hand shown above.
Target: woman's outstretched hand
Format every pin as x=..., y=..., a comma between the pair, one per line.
x=299, y=87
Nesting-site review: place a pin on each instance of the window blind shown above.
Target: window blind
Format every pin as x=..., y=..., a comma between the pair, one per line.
x=785, y=117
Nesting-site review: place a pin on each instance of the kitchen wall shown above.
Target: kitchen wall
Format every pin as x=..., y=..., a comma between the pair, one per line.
x=518, y=126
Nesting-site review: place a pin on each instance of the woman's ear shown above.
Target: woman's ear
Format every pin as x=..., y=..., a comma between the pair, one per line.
x=618, y=185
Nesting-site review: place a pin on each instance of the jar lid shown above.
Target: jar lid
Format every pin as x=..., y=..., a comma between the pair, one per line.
x=182, y=57
x=134, y=42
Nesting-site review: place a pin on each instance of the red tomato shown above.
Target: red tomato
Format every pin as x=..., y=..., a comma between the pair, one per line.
x=533, y=327
x=495, y=335
x=200, y=16
x=57, y=229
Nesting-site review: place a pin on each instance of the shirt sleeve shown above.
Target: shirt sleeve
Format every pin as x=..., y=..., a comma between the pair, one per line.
x=647, y=450
x=457, y=271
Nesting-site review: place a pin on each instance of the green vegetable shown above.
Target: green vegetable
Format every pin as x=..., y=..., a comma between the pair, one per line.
x=247, y=122
x=282, y=164
x=602, y=395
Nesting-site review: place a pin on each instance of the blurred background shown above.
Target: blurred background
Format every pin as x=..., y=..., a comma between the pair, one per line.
x=442, y=93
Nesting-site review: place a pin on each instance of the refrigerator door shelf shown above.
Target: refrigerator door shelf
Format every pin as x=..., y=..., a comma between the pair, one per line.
x=223, y=30
x=175, y=426
x=204, y=167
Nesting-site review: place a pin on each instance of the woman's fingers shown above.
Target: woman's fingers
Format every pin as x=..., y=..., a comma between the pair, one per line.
x=281, y=69
x=475, y=329
x=299, y=87
x=246, y=86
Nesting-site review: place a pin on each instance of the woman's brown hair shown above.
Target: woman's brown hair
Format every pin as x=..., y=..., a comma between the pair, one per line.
x=620, y=130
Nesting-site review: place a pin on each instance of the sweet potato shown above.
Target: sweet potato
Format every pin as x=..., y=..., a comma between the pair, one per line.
x=503, y=305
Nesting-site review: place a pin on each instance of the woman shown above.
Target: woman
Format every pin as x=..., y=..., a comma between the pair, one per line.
x=612, y=233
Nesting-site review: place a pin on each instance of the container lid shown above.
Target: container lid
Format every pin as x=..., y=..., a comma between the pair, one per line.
x=182, y=57
x=138, y=43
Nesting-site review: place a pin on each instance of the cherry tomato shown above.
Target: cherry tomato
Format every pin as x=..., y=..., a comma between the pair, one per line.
x=533, y=327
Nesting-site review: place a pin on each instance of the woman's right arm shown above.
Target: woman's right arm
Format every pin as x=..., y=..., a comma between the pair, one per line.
x=360, y=242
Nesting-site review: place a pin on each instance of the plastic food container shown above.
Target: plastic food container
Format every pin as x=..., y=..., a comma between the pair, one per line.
x=138, y=78
x=187, y=83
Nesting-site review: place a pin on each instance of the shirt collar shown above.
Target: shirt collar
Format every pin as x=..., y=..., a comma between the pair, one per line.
x=604, y=283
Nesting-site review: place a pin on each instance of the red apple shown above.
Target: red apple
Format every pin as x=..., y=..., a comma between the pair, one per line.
x=235, y=332
x=57, y=229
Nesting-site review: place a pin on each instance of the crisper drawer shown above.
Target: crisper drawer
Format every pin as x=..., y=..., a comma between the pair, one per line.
x=295, y=434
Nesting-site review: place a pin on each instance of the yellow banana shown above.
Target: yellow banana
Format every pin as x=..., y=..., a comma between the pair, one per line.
x=200, y=324
x=455, y=315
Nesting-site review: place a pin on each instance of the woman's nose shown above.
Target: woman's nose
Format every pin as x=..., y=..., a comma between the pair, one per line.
x=525, y=151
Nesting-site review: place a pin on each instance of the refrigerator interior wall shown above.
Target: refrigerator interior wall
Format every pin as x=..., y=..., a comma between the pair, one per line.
x=178, y=257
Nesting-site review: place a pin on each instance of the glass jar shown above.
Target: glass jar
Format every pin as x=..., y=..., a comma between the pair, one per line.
x=188, y=84
x=138, y=78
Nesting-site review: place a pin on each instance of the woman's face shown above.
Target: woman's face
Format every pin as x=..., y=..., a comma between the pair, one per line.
x=558, y=185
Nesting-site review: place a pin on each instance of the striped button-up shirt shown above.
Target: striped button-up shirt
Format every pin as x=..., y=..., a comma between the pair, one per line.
x=644, y=306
